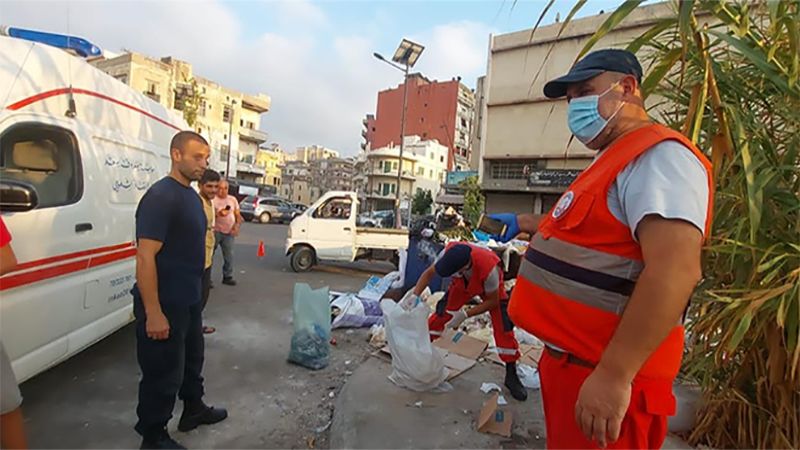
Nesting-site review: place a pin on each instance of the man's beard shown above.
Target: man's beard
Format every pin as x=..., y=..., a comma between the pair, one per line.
x=189, y=175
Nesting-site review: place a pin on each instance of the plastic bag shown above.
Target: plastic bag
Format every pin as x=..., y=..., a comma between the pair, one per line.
x=376, y=286
x=416, y=363
x=401, y=266
x=353, y=312
x=312, y=327
x=529, y=376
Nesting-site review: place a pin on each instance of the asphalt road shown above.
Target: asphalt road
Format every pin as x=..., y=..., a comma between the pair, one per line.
x=89, y=401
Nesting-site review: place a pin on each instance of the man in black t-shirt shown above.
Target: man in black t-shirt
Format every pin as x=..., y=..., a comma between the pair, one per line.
x=170, y=258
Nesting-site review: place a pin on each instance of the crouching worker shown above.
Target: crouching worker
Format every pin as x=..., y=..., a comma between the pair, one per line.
x=475, y=271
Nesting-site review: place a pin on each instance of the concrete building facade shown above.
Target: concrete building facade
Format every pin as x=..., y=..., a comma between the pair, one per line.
x=526, y=157
x=436, y=110
x=332, y=174
x=229, y=119
x=313, y=152
x=271, y=158
x=424, y=168
x=296, y=183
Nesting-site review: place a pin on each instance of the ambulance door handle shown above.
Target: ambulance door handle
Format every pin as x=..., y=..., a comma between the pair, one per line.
x=83, y=227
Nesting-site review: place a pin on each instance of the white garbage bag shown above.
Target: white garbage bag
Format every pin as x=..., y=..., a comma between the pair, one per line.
x=416, y=363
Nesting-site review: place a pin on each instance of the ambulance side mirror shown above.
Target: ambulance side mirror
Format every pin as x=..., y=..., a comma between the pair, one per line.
x=16, y=196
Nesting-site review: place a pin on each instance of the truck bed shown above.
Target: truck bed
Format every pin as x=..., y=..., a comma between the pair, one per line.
x=381, y=238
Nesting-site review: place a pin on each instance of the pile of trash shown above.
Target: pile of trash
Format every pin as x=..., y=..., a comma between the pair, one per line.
x=362, y=309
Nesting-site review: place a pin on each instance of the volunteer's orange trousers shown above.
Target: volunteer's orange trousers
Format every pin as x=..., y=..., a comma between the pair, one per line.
x=502, y=328
x=644, y=425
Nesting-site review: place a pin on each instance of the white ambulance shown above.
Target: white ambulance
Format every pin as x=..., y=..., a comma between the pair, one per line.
x=90, y=146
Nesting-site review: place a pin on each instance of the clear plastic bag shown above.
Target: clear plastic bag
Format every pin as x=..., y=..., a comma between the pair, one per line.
x=416, y=363
x=312, y=327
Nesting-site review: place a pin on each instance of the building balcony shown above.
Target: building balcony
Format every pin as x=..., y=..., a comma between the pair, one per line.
x=249, y=167
x=380, y=195
x=153, y=96
x=259, y=103
x=257, y=136
x=391, y=174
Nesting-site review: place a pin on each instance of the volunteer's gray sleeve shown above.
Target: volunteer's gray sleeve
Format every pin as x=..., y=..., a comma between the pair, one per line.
x=492, y=282
x=667, y=180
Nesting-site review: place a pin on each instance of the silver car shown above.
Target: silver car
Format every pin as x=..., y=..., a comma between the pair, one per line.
x=267, y=209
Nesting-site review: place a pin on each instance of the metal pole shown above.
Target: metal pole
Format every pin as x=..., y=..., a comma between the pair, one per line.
x=230, y=138
x=398, y=220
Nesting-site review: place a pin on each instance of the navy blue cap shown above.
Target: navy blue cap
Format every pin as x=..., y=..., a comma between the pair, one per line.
x=454, y=259
x=593, y=64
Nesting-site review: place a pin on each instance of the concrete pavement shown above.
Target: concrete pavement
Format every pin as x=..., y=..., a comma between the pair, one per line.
x=372, y=412
x=89, y=401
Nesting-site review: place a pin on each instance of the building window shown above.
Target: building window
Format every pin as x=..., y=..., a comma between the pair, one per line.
x=201, y=110
x=441, y=159
x=223, y=152
x=394, y=188
x=241, y=122
x=514, y=170
x=394, y=165
x=421, y=172
x=152, y=87
x=226, y=114
x=431, y=172
x=199, y=130
x=46, y=157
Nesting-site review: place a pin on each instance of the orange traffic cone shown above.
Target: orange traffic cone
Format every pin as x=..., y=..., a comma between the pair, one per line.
x=261, y=251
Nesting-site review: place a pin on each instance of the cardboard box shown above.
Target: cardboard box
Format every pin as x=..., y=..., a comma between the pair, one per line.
x=461, y=344
x=493, y=420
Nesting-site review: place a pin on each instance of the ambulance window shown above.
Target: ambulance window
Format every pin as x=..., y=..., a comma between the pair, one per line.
x=46, y=157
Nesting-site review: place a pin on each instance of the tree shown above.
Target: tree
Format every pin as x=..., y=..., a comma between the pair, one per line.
x=421, y=203
x=727, y=74
x=474, y=201
x=190, y=100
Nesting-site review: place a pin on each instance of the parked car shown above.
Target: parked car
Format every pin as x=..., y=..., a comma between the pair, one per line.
x=267, y=209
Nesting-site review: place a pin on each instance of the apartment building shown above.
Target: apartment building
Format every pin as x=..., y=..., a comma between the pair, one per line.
x=527, y=159
x=229, y=119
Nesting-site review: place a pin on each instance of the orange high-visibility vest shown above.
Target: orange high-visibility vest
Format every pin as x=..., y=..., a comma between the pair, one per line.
x=581, y=266
x=483, y=262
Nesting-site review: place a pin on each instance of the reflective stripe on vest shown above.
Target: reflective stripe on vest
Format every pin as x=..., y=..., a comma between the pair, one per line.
x=608, y=285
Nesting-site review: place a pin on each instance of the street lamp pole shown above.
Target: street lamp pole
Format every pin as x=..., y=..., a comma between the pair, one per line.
x=230, y=140
x=404, y=58
x=398, y=221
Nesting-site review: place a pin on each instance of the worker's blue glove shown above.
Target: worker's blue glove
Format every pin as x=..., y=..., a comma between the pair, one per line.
x=511, y=223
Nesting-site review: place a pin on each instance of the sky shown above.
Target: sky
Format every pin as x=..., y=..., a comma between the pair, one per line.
x=313, y=58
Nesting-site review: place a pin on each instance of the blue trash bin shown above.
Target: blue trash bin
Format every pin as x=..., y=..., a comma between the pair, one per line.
x=422, y=254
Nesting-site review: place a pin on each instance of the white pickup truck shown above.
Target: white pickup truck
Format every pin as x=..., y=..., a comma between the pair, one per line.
x=327, y=231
